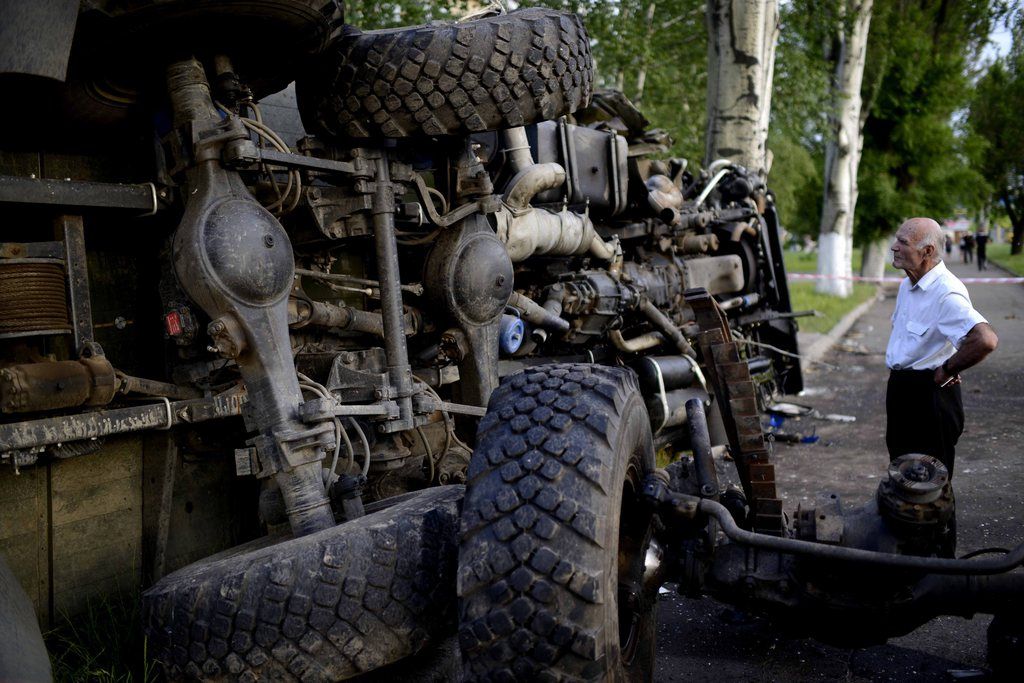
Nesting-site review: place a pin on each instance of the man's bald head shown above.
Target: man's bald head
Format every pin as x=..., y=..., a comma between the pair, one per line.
x=926, y=231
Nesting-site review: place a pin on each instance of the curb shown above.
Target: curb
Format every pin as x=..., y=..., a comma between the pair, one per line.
x=1003, y=268
x=820, y=346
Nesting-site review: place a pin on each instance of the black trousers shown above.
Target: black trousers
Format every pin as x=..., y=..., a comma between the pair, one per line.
x=921, y=417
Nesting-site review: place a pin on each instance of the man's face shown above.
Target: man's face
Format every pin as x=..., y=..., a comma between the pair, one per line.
x=905, y=254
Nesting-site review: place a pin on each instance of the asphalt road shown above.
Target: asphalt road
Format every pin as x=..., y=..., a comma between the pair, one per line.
x=702, y=640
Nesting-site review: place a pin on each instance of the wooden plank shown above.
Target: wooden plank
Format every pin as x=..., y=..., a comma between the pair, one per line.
x=24, y=533
x=97, y=523
x=93, y=554
x=96, y=484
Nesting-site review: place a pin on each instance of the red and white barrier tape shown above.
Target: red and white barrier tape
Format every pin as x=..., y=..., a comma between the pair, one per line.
x=858, y=278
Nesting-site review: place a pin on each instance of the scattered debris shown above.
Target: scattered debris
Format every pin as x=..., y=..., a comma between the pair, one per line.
x=856, y=348
x=789, y=409
x=786, y=437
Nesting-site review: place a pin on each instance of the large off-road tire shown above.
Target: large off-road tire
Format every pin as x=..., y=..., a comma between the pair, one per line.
x=485, y=74
x=323, y=607
x=554, y=534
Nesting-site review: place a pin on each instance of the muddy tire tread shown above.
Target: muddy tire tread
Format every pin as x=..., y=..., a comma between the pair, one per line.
x=532, y=488
x=323, y=607
x=492, y=73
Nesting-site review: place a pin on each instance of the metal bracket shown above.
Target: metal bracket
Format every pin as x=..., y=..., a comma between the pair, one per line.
x=79, y=194
x=320, y=409
x=428, y=404
x=302, y=162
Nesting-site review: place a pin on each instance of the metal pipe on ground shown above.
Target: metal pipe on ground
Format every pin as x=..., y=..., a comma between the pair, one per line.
x=792, y=546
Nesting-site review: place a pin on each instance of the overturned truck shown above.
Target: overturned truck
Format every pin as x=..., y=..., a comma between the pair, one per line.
x=346, y=395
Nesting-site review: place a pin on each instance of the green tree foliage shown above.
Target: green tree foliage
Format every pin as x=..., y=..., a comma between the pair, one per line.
x=654, y=51
x=799, y=120
x=997, y=118
x=916, y=158
x=393, y=13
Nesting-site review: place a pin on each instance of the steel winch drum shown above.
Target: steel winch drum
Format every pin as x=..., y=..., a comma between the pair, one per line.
x=33, y=298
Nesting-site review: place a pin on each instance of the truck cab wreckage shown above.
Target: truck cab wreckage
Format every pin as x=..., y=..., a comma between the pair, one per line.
x=423, y=356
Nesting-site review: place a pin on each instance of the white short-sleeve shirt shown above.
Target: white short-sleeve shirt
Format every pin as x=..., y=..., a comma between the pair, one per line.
x=930, y=320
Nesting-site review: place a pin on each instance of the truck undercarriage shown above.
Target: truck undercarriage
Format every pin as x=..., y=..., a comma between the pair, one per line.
x=434, y=347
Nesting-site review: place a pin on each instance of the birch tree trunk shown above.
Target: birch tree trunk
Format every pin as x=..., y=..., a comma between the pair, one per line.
x=641, y=76
x=741, y=63
x=876, y=255
x=843, y=150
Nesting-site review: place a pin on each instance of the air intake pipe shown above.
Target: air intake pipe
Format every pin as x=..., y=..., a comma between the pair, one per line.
x=528, y=231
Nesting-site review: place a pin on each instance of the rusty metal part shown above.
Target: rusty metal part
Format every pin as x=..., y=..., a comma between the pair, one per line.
x=917, y=492
x=729, y=377
x=229, y=339
x=59, y=384
x=663, y=194
x=665, y=325
x=150, y=387
x=33, y=298
x=998, y=564
x=32, y=250
x=717, y=274
x=79, y=194
x=32, y=434
x=71, y=230
x=415, y=289
x=303, y=312
x=822, y=523
x=697, y=244
x=537, y=314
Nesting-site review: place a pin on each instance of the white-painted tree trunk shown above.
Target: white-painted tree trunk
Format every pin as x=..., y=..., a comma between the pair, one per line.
x=876, y=255
x=843, y=150
x=641, y=74
x=741, y=63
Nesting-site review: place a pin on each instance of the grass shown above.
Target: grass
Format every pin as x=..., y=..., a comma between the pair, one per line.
x=103, y=644
x=1000, y=254
x=801, y=262
x=831, y=308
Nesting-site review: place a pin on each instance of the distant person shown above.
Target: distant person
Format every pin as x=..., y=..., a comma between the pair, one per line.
x=936, y=335
x=949, y=246
x=968, y=248
x=981, y=240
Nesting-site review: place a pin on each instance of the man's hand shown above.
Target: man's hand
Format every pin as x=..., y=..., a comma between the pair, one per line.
x=978, y=343
x=944, y=379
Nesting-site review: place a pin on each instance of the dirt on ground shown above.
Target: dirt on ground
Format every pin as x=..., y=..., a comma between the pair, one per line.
x=708, y=641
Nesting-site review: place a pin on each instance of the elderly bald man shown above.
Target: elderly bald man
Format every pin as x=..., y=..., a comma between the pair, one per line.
x=936, y=335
